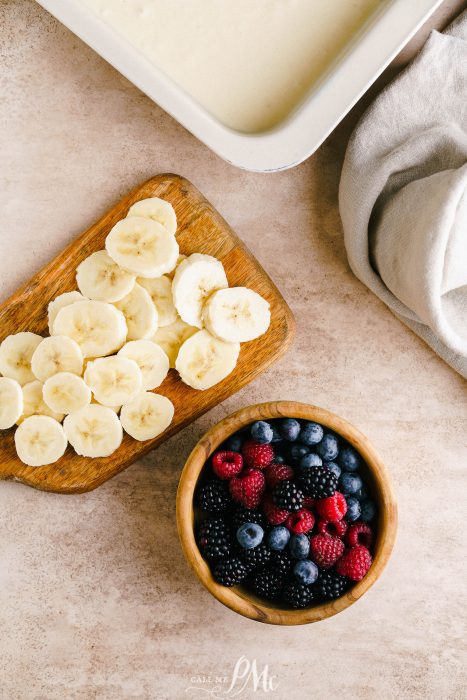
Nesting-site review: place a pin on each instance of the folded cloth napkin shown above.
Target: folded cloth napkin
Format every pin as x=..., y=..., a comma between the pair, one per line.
x=403, y=195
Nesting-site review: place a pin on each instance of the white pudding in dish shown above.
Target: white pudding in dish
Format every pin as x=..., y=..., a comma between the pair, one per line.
x=247, y=62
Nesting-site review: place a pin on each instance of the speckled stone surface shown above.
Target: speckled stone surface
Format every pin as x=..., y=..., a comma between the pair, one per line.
x=96, y=601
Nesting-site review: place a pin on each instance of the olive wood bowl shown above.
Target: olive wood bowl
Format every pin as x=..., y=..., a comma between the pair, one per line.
x=374, y=473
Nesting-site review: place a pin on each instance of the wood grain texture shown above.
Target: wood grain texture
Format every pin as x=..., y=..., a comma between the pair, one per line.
x=245, y=602
x=200, y=229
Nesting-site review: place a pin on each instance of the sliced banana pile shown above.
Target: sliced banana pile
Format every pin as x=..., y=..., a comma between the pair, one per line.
x=141, y=309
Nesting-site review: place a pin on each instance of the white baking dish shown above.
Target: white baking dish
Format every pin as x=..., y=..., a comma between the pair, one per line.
x=300, y=134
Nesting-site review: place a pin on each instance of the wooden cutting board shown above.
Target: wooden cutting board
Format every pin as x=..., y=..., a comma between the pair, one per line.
x=201, y=229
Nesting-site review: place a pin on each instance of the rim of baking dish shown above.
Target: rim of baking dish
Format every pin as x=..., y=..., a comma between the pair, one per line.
x=300, y=134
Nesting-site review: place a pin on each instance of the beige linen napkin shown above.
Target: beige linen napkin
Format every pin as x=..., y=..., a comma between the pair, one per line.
x=403, y=195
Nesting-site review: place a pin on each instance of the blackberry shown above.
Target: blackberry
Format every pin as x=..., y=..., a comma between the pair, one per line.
x=243, y=515
x=267, y=584
x=287, y=496
x=250, y=566
x=319, y=482
x=298, y=595
x=214, y=538
x=258, y=556
x=281, y=563
x=214, y=497
x=229, y=572
x=330, y=585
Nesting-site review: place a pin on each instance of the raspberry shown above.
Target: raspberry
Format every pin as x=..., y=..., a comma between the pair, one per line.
x=333, y=508
x=354, y=563
x=214, y=539
x=359, y=533
x=288, y=496
x=337, y=529
x=229, y=572
x=330, y=585
x=213, y=497
x=257, y=455
x=277, y=472
x=308, y=502
x=326, y=550
x=267, y=584
x=298, y=595
x=225, y=465
x=248, y=487
x=318, y=482
x=274, y=515
x=301, y=521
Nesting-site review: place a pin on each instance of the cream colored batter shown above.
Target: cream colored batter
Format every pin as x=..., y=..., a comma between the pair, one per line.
x=248, y=62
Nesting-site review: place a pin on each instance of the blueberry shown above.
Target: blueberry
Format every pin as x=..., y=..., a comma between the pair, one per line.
x=276, y=436
x=349, y=459
x=279, y=459
x=349, y=483
x=289, y=428
x=297, y=451
x=353, y=509
x=234, y=443
x=311, y=433
x=250, y=535
x=368, y=510
x=278, y=538
x=311, y=460
x=361, y=494
x=299, y=546
x=262, y=432
x=328, y=448
x=306, y=571
x=335, y=468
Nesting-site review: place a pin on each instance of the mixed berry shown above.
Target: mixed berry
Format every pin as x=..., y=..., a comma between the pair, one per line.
x=286, y=513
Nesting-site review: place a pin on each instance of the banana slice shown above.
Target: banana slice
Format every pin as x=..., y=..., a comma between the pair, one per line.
x=99, y=277
x=142, y=246
x=147, y=416
x=59, y=303
x=172, y=337
x=115, y=409
x=34, y=404
x=65, y=393
x=150, y=358
x=56, y=354
x=11, y=402
x=94, y=431
x=180, y=259
x=195, y=279
x=158, y=210
x=97, y=327
x=160, y=291
x=16, y=352
x=203, y=360
x=40, y=440
x=236, y=315
x=140, y=313
x=114, y=380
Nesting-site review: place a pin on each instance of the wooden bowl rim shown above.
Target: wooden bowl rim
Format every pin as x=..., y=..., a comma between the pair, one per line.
x=235, y=599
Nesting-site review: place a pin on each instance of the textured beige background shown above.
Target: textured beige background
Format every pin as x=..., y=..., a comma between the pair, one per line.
x=95, y=598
